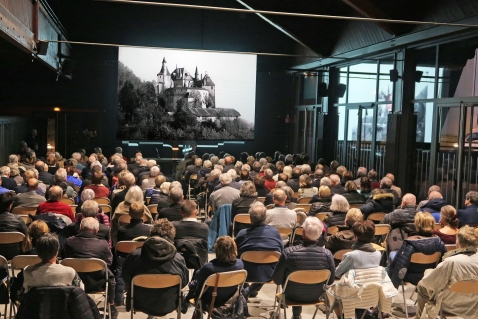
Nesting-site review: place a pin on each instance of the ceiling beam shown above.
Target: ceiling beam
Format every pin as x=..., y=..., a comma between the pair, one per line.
x=368, y=10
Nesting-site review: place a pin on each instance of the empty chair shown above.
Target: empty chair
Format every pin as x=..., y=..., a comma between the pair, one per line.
x=10, y=244
x=304, y=200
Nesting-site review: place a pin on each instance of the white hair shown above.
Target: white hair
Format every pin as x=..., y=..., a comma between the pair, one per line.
x=165, y=187
x=288, y=171
x=76, y=156
x=90, y=223
x=96, y=163
x=207, y=164
x=215, y=173
x=134, y=194
x=87, y=194
x=225, y=179
x=233, y=173
x=246, y=167
x=60, y=175
x=325, y=181
x=313, y=228
x=154, y=171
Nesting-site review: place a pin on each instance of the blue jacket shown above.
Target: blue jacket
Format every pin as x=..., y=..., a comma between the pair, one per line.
x=415, y=272
x=219, y=225
x=468, y=215
x=256, y=238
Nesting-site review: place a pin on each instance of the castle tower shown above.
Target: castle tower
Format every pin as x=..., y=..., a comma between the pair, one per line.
x=164, y=78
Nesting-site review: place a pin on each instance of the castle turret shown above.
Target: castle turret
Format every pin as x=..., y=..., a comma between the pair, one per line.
x=164, y=78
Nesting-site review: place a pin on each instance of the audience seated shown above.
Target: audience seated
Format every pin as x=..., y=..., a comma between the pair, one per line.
x=259, y=184
x=361, y=172
x=240, y=205
x=449, y=222
x=87, y=245
x=365, y=187
x=338, y=210
x=24, y=188
x=136, y=227
x=53, y=204
x=48, y=273
x=433, y=205
x=162, y=198
x=97, y=186
x=379, y=202
x=293, y=181
x=386, y=186
x=10, y=223
x=30, y=198
x=424, y=242
x=89, y=209
x=225, y=195
x=457, y=265
x=155, y=187
x=43, y=176
x=128, y=182
x=306, y=256
x=306, y=189
x=345, y=237
x=59, y=179
x=172, y=213
x=281, y=216
x=469, y=214
x=157, y=256
x=336, y=187
x=433, y=188
x=7, y=182
x=35, y=230
x=260, y=237
x=351, y=194
x=226, y=252
x=146, y=179
x=393, y=187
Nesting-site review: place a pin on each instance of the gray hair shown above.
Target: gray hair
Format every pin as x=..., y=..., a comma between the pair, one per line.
x=258, y=213
x=4, y=170
x=288, y=171
x=90, y=223
x=89, y=208
x=246, y=167
x=175, y=184
x=268, y=173
x=151, y=163
x=215, y=173
x=288, y=192
x=305, y=169
x=87, y=194
x=176, y=194
x=219, y=167
x=233, y=173
x=238, y=165
x=339, y=204
x=13, y=158
x=313, y=228
x=134, y=194
x=263, y=161
x=154, y=171
x=225, y=179
x=76, y=156
x=164, y=188
x=248, y=189
x=214, y=160
x=95, y=163
x=207, y=164
x=325, y=181
x=60, y=175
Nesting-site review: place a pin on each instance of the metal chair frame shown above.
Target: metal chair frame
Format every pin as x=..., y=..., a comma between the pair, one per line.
x=4, y=263
x=193, y=177
x=240, y=218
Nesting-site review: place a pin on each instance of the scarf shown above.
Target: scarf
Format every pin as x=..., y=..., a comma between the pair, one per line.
x=367, y=247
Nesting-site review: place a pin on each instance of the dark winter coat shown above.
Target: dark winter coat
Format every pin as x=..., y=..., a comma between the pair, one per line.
x=380, y=203
x=335, y=219
x=57, y=303
x=402, y=223
x=322, y=206
x=415, y=272
x=342, y=239
x=354, y=198
x=307, y=256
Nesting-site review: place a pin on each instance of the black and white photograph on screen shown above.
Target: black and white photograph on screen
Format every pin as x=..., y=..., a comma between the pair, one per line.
x=185, y=95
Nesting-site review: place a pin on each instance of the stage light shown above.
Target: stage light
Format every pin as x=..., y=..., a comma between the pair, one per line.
x=56, y=109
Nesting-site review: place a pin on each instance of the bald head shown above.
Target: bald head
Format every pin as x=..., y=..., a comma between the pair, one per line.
x=434, y=188
x=434, y=194
x=279, y=197
x=32, y=184
x=40, y=166
x=409, y=199
x=390, y=175
x=386, y=183
x=56, y=193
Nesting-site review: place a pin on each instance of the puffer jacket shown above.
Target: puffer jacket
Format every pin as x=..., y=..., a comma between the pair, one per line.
x=342, y=239
x=307, y=256
x=433, y=205
x=57, y=303
x=335, y=219
x=415, y=272
x=402, y=223
x=380, y=203
x=354, y=198
x=319, y=207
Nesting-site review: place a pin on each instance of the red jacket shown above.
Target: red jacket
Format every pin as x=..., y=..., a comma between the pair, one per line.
x=269, y=184
x=55, y=207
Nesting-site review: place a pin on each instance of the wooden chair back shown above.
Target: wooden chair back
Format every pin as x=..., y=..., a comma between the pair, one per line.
x=156, y=281
x=11, y=237
x=21, y=261
x=306, y=207
x=321, y=216
x=261, y=257
x=25, y=210
x=308, y=277
x=340, y=254
x=465, y=287
x=105, y=208
x=148, y=199
x=382, y=229
x=420, y=258
x=262, y=199
x=284, y=232
x=85, y=264
x=304, y=200
x=102, y=200
x=26, y=219
x=128, y=246
x=301, y=216
x=153, y=208
x=68, y=201
x=227, y=279
x=126, y=219
x=438, y=226
x=377, y=217
x=332, y=230
x=450, y=247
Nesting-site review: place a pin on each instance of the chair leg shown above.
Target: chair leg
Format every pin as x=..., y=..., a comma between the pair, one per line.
x=275, y=298
x=315, y=312
x=285, y=308
x=404, y=301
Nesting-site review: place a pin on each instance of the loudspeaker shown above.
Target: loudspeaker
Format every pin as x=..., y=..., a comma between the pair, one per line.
x=67, y=67
x=42, y=47
x=341, y=88
x=394, y=75
x=417, y=76
x=322, y=89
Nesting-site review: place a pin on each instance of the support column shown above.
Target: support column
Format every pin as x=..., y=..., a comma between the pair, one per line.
x=401, y=135
x=331, y=120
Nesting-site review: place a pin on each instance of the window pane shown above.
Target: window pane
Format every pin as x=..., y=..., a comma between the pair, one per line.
x=361, y=88
x=425, y=88
x=341, y=122
x=343, y=79
x=352, y=125
x=424, y=122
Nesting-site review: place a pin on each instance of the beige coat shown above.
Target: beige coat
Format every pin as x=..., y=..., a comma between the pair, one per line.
x=363, y=288
x=456, y=266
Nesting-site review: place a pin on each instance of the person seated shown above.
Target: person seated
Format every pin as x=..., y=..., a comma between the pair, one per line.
x=157, y=256
x=87, y=245
x=281, y=182
x=305, y=187
x=172, y=213
x=345, y=237
x=213, y=180
x=30, y=198
x=269, y=182
x=351, y=194
x=162, y=198
x=134, y=194
x=346, y=176
x=259, y=237
x=240, y=205
x=59, y=179
x=158, y=181
x=52, y=163
x=35, y=230
x=43, y=175
x=336, y=187
x=402, y=223
x=148, y=182
x=365, y=187
x=225, y=195
x=338, y=210
x=10, y=223
x=259, y=182
x=97, y=186
x=433, y=188
x=306, y=256
x=379, y=202
x=321, y=201
x=226, y=251
x=386, y=185
x=449, y=222
x=373, y=177
x=48, y=273
x=126, y=181
x=469, y=214
x=457, y=265
x=290, y=201
x=53, y=204
x=136, y=227
x=281, y=216
x=293, y=181
x=433, y=205
x=424, y=242
x=89, y=209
